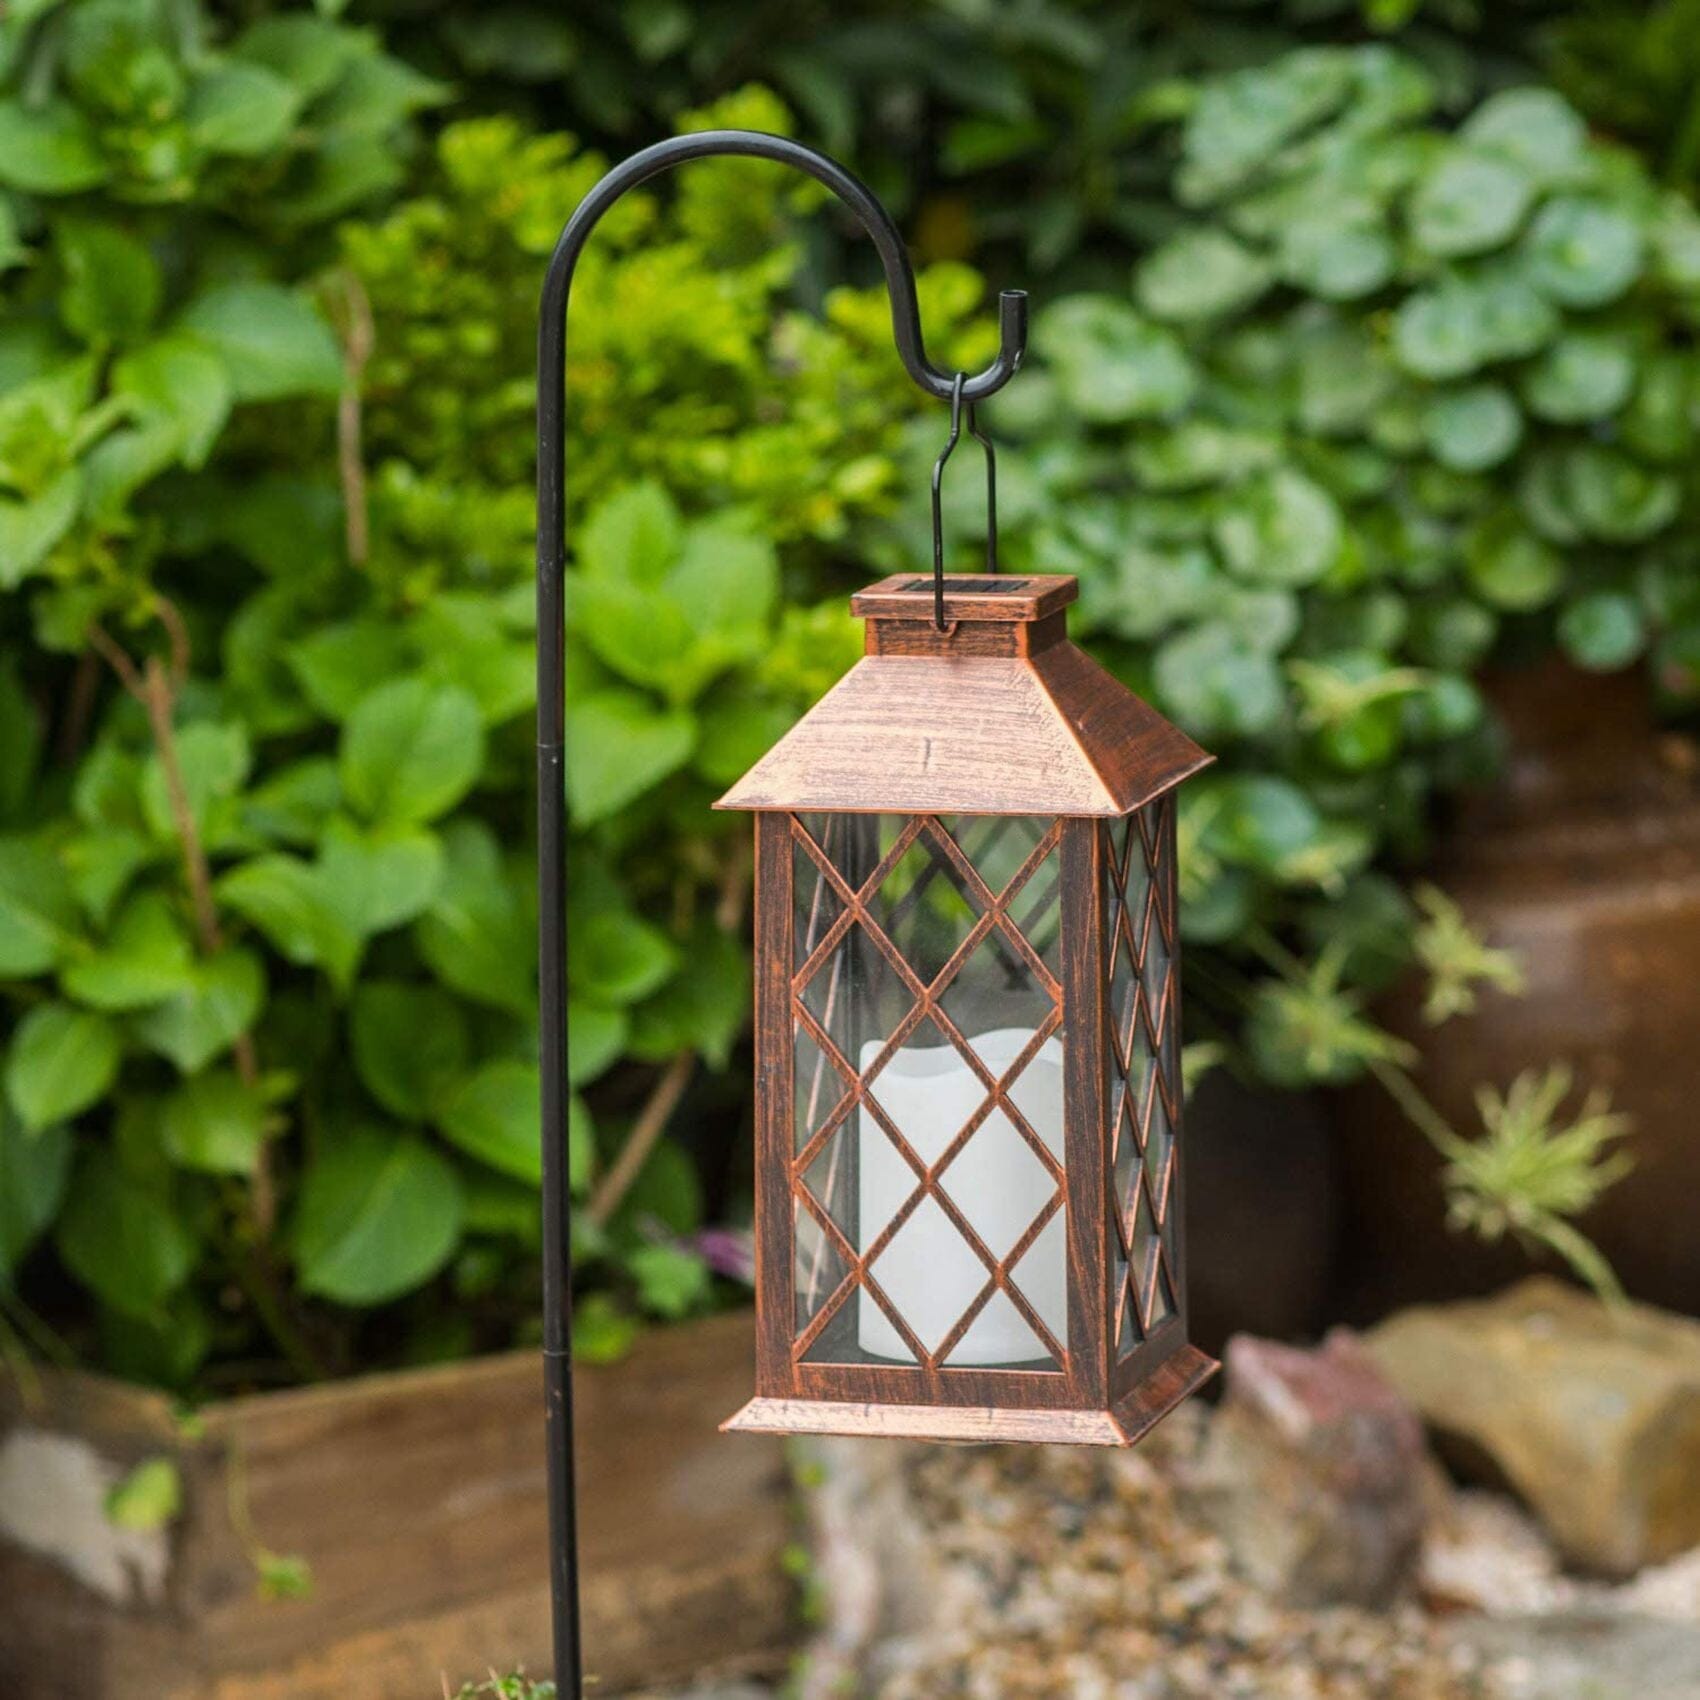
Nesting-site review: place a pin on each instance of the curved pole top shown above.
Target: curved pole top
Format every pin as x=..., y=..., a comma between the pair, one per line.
x=894, y=257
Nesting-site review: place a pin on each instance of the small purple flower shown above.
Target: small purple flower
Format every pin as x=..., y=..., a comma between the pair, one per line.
x=730, y=1252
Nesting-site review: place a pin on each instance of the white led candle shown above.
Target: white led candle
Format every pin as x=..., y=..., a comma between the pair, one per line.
x=997, y=1181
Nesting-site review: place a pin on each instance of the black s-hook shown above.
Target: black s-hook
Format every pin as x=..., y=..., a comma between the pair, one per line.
x=985, y=442
x=551, y=717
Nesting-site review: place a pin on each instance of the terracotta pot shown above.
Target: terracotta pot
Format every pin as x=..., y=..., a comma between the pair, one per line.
x=417, y=1501
x=1585, y=861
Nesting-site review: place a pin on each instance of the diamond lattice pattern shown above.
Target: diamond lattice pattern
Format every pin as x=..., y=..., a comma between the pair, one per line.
x=927, y=1168
x=1144, y=1068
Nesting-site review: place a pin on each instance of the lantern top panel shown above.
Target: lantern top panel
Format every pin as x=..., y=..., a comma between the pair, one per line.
x=998, y=713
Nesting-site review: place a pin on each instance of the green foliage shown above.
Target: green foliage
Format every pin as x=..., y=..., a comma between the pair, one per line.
x=1306, y=494
x=269, y=941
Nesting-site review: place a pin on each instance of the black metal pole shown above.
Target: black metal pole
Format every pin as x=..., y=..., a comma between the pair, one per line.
x=551, y=716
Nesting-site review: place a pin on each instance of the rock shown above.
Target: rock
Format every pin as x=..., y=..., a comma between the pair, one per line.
x=1590, y=1413
x=1314, y=1473
x=1583, y=1655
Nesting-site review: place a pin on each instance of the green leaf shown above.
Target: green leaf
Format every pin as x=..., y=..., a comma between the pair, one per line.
x=1201, y=274
x=150, y=1497
x=338, y=664
x=1263, y=822
x=381, y=876
x=1110, y=363
x=241, y=109
x=1337, y=258
x=1602, y=632
x=1584, y=375
x=1474, y=428
x=33, y=1170
x=294, y=906
x=671, y=1280
x=410, y=1045
x=214, y=758
x=703, y=1007
x=62, y=1060
x=380, y=1213
x=146, y=960
x=411, y=750
x=595, y=1039
x=30, y=528
x=122, y=1239
x=112, y=287
x=475, y=937
x=214, y=1123
x=632, y=536
x=222, y=1001
x=180, y=380
x=1534, y=127
x=272, y=341
x=1616, y=499
x=1468, y=203
x=1282, y=529
x=1218, y=683
x=1511, y=567
x=1584, y=252
x=48, y=149
x=38, y=910
x=619, y=745
x=618, y=957
x=494, y=1116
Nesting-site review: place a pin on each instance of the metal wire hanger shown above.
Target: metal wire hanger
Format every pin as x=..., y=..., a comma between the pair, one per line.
x=958, y=384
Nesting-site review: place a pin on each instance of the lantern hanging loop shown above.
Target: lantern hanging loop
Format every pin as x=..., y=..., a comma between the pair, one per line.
x=985, y=442
x=551, y=720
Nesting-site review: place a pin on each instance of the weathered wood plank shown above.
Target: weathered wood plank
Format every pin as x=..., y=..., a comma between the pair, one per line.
x=417, y=1499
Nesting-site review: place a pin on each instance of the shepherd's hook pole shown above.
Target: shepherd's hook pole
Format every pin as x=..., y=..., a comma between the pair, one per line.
x=551, y=716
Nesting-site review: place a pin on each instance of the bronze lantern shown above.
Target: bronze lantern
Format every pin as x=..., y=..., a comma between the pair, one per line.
x=969, y=1179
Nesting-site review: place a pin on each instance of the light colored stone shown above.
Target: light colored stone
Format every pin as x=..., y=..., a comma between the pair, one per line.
x=1584, y=1655
x=1592, y=1414
x=1315, y=1473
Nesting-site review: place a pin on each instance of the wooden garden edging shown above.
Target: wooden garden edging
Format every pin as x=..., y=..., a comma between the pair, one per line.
x=416, y=1500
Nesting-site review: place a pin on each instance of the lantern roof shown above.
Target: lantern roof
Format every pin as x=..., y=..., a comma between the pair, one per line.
x=997, y=714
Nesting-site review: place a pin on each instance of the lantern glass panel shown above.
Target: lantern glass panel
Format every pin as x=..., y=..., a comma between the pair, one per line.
x=1143, y=1084
x=928, y=1032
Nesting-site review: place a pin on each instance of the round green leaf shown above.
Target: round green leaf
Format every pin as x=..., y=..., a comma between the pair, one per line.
x=1217, y=684
x=61, y=1061
x=1511, y=567
x=1262, y=822
x=1468, y=203
x=122, y=1239
x=411, y=750
x=1110, y=363
x=410, y=1044
x=1201, y=274
x=112, y=283
x=294, y=906
x=1616, y=499
x=1282, y=529
x=1584, y=252
x=381, y=876
x=1436, y=335
x=380, y=1213
x=1602, y=632
x=1474, y=428
x=1335, y=259
x=1584, y=375
x=1534, y=127
x=474, y=937
x=494, y=1116
x=241, y=109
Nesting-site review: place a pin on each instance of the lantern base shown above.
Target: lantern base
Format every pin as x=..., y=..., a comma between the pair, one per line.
x=1153, y=1399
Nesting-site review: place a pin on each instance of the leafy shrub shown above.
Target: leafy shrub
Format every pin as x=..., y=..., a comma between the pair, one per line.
x=270, y=947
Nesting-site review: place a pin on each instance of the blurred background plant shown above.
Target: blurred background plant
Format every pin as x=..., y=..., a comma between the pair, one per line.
x=1357, y=369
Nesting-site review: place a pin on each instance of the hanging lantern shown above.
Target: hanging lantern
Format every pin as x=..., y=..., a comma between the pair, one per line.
x=969, y=1198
